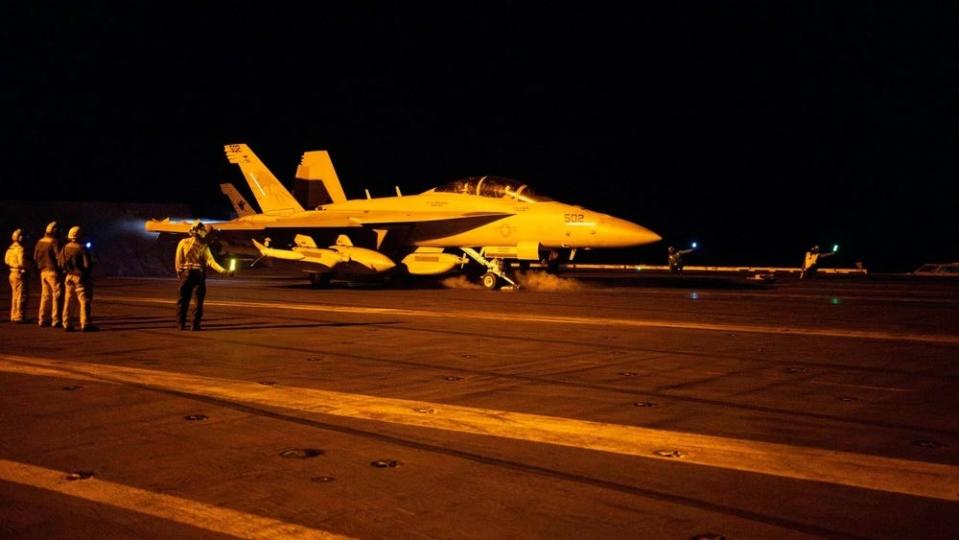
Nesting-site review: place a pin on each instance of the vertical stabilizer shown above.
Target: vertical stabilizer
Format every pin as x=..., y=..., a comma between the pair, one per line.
x=272, y=197
x=316, y=166
x=240, y=206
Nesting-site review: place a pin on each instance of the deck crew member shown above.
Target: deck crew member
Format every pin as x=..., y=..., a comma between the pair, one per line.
x=76, y=262
x=193, y=257
x=811, y=262
x=46, y=254
x=675, y=258
x=18, y=288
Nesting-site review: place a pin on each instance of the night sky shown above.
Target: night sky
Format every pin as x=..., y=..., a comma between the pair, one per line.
x=756, y=129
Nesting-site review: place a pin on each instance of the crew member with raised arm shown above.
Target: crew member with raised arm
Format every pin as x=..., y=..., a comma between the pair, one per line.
x=193, y=257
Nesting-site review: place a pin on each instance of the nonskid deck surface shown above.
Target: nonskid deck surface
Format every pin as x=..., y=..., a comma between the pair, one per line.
x=575, y=407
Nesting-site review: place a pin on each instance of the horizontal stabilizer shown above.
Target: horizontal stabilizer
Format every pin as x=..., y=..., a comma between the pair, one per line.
x=167, y=226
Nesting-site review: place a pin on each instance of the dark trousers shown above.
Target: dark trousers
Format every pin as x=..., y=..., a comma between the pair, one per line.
x=191, y=280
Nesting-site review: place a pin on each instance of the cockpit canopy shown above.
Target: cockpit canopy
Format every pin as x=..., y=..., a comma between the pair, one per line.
x=494, y=187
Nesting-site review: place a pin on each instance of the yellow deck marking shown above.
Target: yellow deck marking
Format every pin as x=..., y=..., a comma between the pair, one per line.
x=923, y=479
x=196, y=514
x=40, y=371
x=559, y=319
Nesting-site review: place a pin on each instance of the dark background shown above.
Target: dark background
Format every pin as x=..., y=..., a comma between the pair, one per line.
x=755, y=128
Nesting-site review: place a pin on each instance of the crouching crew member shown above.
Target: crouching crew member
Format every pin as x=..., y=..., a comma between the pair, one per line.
x=193, y=257
x=76, y=262
x=675, y=258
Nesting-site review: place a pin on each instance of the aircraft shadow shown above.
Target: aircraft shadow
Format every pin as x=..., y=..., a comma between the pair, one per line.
x=226, y=327
x=131, y=320
x=385, y=286
x=587, y=282
x=671, y=282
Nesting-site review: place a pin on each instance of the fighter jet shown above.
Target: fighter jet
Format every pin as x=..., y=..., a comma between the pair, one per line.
x=488, y=219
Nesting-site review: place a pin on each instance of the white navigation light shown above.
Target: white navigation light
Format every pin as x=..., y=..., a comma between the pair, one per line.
x=835, y=247
x=695, y=245
x=89, y=244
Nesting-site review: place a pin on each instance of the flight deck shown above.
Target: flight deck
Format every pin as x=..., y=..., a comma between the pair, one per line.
x=666, y=407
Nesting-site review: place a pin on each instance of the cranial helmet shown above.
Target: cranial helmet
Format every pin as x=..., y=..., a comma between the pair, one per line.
x=17, y=235
x=73, y=233
x=198, y=230
x=671, y=249
x=52, y=227
x=815, y=249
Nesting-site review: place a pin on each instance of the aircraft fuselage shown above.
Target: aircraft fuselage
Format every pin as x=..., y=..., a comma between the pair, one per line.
x=551, y=224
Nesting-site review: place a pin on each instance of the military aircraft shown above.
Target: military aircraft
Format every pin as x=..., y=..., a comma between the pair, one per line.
x=488, y=219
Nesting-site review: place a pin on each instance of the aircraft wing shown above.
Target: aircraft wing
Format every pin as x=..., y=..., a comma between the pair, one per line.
x=244, y=225
x=327, y=220
x=183, y=227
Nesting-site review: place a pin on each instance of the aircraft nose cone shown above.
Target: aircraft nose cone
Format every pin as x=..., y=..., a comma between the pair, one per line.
x=622, y=233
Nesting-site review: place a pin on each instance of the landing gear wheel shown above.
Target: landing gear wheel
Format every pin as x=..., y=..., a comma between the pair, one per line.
x=494, y=269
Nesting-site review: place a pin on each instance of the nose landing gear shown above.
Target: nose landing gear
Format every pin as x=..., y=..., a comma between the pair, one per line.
x=495, y=269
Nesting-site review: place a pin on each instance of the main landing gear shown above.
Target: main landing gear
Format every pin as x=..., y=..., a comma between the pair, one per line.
x=495, y=269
